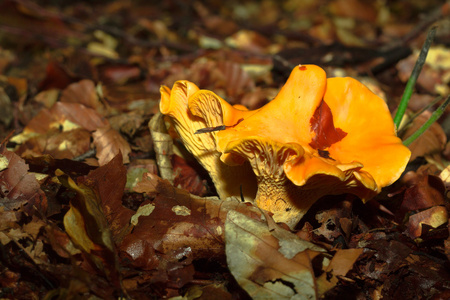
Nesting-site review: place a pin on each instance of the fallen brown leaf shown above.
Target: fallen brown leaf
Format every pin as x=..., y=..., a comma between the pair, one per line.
x=109, y=143
x=433, y=217
x=59, y=145
x=187, y=178
x=83, y=92
x=18, y=187
x=430, y=142
x=269, y=262
x=179, y=222
x=87, y=227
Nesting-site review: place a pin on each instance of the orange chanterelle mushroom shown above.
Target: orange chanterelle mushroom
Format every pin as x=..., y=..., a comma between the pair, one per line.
x=318, y=137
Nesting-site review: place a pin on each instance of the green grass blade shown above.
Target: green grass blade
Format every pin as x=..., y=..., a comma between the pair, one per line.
x=413, y=117
x=436, y=115
x=413, y=78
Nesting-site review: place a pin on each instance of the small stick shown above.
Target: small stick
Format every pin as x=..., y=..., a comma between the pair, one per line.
x=217, y=128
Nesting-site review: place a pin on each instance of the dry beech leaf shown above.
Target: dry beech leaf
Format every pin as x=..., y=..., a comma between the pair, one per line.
x=249, y=40
x=83, y=92
x=87, y=227
x=215, y=23
x=435, y=75
x=163, y=146
x=56, y=77
x=204, y=292
x=109, y=143
x=269, y=264
x=6, y=108
x=48, y=97
x=60, y=112
x=109, y=182
x=335, y=221
x=430, y=142
x=447, y=245
x=354, y=9
x=257, y=98
x=8, y=218
x=419, y=101
x=186, y=177
x=59, y=145
x=433, y=217
x=18, y=187
x=423, y=191
x=341, y=263
x=236, y=81
x=137, y=168
x=445, y=177
x=176, y=223
x=127, y=123
x=60, y=241
x=119, y=74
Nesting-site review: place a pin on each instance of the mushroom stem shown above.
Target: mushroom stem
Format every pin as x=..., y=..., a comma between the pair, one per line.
x=230, y=180
x=285, y=200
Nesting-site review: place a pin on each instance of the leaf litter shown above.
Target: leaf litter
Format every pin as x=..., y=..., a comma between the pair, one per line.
x=86, y=209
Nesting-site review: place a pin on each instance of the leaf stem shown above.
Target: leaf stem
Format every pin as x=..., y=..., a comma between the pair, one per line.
x=436, y=115
x=413, y=78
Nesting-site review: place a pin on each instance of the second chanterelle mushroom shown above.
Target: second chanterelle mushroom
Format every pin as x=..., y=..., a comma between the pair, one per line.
x=317, y=137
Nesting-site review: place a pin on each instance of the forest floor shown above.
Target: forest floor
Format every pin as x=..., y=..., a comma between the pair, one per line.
x=85, y=211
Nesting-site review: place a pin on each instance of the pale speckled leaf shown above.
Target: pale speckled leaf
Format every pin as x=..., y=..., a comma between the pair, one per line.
x=163, y=146
x=269, y=264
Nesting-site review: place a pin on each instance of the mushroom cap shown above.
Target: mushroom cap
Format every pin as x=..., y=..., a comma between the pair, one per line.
x=187, y=120
x=346, y=132
x=374, y=143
